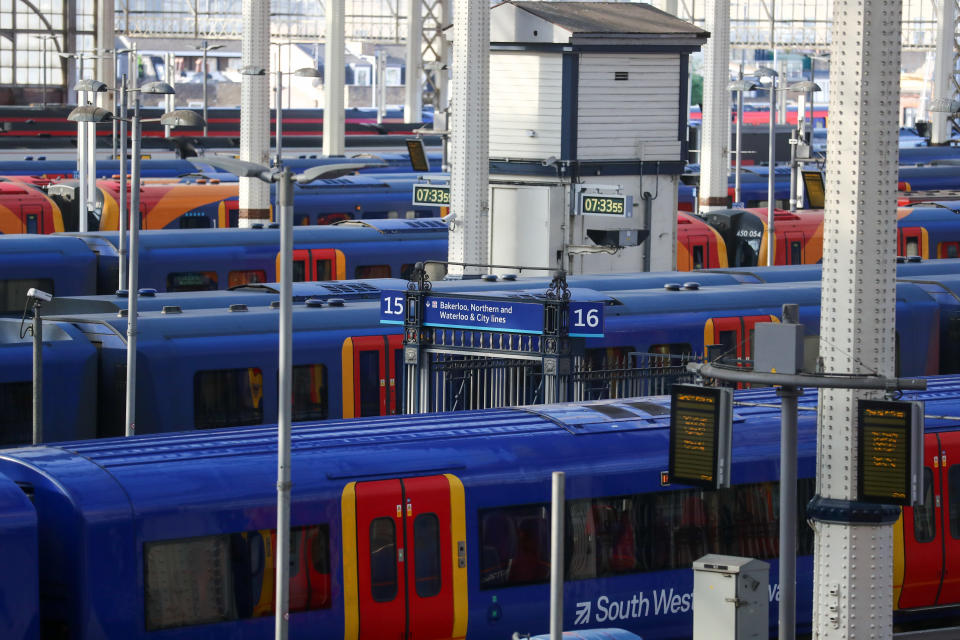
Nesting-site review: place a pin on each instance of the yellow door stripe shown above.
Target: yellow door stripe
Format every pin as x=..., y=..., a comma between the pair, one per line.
x=347, y=363
x=458, y=530
x=341, y=266
x=351, y=592
x=898, y=566
x=709, y=336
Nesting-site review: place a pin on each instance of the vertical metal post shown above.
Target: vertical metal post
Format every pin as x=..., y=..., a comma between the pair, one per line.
x=255, y=111
x=37, y=374
x=285, y=205
x=333, y=117
x=124, y=241
x=81, y=167
x=558, y=502
x=45, y=62
x=943, y=70
x=736, y=183
x=794, y=141
x=788, y=499
x=132, y=293
x=116, y=104
x=412, y=105
x=278, y=160
x=715, y=139
x=205, y=120
x=772, y=164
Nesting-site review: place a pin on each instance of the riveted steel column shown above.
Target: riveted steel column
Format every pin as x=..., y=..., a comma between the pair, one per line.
x=715, y=145
x=333, y=79
x=412, y=94
x=943, y=70
x=255, y=110
x=469, y=137
x=853, y=561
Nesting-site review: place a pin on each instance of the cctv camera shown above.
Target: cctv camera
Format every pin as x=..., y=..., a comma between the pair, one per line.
x=39, y=296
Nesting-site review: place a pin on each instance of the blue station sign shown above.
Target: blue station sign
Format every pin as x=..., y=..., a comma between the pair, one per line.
x=504, y=315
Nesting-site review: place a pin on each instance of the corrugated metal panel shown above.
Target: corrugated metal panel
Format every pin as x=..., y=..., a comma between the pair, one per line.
x=628, y=107
x=525, y=92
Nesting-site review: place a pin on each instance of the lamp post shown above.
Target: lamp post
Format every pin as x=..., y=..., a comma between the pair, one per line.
x=116, y=94
x=206, y=48
x=285, y=179
x=805, y=87
x=739, y=86
x=173, y=119
x=766, y=72
x=305, y=72
x=86, y=154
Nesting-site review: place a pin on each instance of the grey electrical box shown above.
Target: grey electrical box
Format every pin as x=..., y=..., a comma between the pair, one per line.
x=731, y=599
x=778, y=348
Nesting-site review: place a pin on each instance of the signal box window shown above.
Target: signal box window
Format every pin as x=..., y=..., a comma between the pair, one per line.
x=372, y=271
x=924, y=527
x=383, y=560
x=227, y=398
x=239, y=278
x=13, y=293
x=310, y=392
x=16, y=418
x=426, y=539
x=514, y=546
x=192, y=281
x=219, y=578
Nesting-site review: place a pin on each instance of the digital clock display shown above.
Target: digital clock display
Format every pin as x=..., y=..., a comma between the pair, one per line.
x=605, y=205
x=429, y=195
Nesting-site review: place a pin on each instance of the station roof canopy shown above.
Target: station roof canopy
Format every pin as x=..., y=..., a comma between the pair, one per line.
x=589, y=23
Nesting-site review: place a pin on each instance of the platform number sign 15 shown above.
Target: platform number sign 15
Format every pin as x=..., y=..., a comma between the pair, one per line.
x=391, y=307
x=586, y=319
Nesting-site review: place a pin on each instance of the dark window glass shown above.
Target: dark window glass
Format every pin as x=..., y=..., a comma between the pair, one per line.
x=406, y=270
x=227, y=398
x=398, y=379
x=372, y=271
x=950, y=343
x=369, y=390
x=193, y=581
x=514, y=546
x=13, y=293
x=924, y=528
x=728, y=344
x=796, y=252
x=192, y=281
x=239, y=278
x=324, y=270
x=953, y=250
x=299, y=270
x=426, y=559
x=954, y=482
x=383, y=560
x=195, y=222
x=302, y=220
x=32, y=223
x=698, y=256
x=16, y=417
x=310, y=392
x=604, y=371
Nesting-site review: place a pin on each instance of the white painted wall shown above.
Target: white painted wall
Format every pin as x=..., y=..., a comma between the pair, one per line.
x=525, y=90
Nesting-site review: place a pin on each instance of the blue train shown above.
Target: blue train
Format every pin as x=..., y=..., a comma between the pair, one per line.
x=424, y=526
x=219, y=362
x=197, y=259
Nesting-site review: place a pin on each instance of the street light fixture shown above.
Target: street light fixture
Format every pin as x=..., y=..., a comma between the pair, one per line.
x=206, y=48
x=304, y=72
x=766, y=72
x=741, y=85
x=285, y=179
x=808, y=87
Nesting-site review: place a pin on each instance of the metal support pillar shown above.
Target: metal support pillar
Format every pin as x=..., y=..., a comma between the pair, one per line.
x=412, y=106
x=469, y=137
x=853, y=559
x=82, y=167
x=37, y=374
x=380, y=84
x=715, y=143
x=333, y=116
x=557, y=529
x=255, y=111
x=943, y=88
x=123, y=241
x=285, y=408
x=92, y=157
x=278, y=160
x=771, y=173
x=105, y=69
x=132, y=292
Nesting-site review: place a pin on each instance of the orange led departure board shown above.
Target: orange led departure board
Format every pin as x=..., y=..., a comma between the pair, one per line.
x=887, y=442
x=700, y=435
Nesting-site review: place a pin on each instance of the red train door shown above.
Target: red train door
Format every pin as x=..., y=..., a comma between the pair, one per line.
x=950, y=513
x=700, y=252
x=404, y=547
x=734, y=334
x=395, y=378
x=910, y=242
x=923, y=536
x=369, y=376
x=316, y=265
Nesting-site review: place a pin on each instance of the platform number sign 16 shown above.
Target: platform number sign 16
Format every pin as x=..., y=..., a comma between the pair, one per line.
x=391, y=307
x=586, y=319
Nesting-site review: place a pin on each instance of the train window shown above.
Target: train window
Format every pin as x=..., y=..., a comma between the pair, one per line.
x=302, y=219
x=310, y=392
x=924, y=528
x=299, y=270
x=406, y=270
x=227, y=398
x=913, y=247
x=324, y=270
x=603, y=372
x=698, y=256
x=948, y=250
x=954, y=486
x=16, y=419
x=32, y=223
x=796, y=252
x=426, y=541
x=369, y=383
x=218, y=578
x=372, y=271
x=383, y=560
x=514, y=546
x=238, y=278
x=13, y=293
x=195, y=220
x=950, y=346
x=192, y=281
